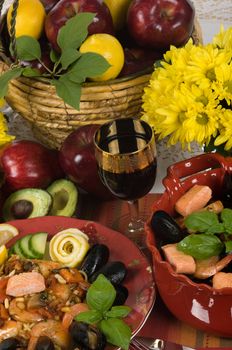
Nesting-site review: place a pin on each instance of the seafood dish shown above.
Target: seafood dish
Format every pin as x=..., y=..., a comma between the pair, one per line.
x=60, y=288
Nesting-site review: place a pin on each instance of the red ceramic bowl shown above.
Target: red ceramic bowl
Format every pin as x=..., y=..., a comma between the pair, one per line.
x=197, y=304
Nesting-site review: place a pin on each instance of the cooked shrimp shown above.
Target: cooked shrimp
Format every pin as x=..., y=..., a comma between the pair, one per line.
x=47, y=266
x=9, y=329
x=18, y=311
x=52, y=329
x=209, y=267
x=73, y=311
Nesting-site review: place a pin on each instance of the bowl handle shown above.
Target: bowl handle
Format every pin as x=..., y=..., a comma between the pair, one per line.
x=182, y=175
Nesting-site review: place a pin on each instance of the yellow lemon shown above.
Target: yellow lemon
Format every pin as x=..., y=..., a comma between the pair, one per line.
x=110, y=48
x=7, y=232
x=29, y=19
x=118, y=10
x=3, y=254
x=69, y=247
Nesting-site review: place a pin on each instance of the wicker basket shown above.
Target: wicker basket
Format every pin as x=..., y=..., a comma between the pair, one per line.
x=52, y=120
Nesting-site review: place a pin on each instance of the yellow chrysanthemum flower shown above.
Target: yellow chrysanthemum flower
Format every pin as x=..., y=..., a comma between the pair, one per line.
x=189, y=97
x=223, y=40
x=4, y=137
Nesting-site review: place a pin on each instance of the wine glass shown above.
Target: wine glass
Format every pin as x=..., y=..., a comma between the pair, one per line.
x=125, y=151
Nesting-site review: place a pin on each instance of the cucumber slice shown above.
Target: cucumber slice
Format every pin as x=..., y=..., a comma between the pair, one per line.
x=24, y=247
x=17, y=249
x=37, y=244
x=11, y=251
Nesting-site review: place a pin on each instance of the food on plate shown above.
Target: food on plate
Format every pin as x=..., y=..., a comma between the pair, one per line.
x=7, y=232
x=30, y=246
x=26, y=203
x=194, y=199
x=64, y=197
x=198, y=243
x=47, y=304
x=26, y=21
x=69, y=247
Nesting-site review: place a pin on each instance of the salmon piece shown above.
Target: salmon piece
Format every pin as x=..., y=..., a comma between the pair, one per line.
x=181, y=262
x=194, y=199
x=222, y=280
x=25, y=283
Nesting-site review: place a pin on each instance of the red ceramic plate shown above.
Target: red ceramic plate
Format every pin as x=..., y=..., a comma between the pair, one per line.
x=139, y=280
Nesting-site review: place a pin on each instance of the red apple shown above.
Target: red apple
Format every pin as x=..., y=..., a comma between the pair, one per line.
x=28, y=164
x=160, y=23
x=77, y=159
x=138, y=59
x=49, y=4
x=66, y=9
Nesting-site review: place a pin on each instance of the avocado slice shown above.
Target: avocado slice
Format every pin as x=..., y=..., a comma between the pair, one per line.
x=26, y=203
x=65, y=195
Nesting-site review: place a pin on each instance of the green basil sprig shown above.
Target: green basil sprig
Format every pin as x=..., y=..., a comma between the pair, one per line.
x=206, y=243
x=71, y=68
x=100, y=298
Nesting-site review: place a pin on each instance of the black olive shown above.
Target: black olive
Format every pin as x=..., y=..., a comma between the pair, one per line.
x=114, y=271
x=44, y=343
x=9, y=344
x=97, y=257
x=87, y=336
x=22, y=209
x=121, y=294
x=165, y=229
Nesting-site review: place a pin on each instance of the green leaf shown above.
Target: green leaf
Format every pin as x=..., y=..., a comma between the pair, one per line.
x=101, y=294
x=118, y=311
x=201, y=246
x=89, y=65
x=69, y=56
x=203, y=221
x=54, y=57
x=91, y=317
x=6, y=77
x=226, y=216
x=31, y=72
x=28, y=48
x=117, y=332
x=228, y=245
x=69, y=91
x=74, y=32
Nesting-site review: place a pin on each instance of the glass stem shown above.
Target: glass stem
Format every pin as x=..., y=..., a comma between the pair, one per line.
x=136, y=223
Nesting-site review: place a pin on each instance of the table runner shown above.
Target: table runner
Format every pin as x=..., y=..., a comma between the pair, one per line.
x=161, y=323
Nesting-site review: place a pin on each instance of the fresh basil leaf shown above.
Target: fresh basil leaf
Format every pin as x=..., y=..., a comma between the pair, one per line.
x=31, y=72
x=118, y=311
x=117, y=332
x=91, y=316
x=75, y=30
x=201, y=221
x=69, y=56
x=28, y=48
x=89, y=65
x=226, y=217
x=216, y=228
x=54, y=57
x=6, y=77
x=67, y=90
x=101, y=294
x=201, y=246
x=228, y=246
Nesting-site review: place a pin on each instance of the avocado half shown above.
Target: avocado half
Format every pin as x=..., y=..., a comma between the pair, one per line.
x=26, y=203
x=64, y=197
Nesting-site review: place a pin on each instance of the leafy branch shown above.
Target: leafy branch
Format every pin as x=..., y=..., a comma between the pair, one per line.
x=71, y=68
